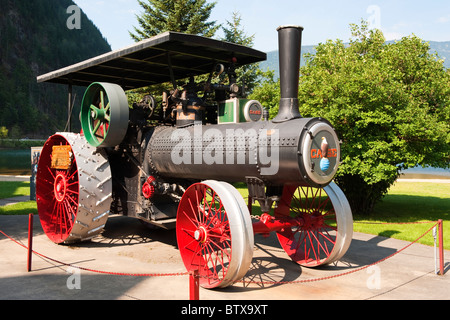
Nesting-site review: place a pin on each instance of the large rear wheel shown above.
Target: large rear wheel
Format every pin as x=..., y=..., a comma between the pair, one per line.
x=73, y=189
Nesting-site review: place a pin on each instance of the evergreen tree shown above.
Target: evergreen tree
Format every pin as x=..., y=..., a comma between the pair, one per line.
x=188, y=16
x=235, y=33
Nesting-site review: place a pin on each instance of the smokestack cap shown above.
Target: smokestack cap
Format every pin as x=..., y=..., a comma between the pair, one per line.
x=290, y=26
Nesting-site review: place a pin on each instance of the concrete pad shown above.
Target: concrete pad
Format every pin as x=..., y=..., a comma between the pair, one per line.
x=127, y=246
x=15, y=178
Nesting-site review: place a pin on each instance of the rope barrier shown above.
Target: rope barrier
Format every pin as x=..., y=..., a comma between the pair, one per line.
x=393, y=223
x=345, y=273
x=98, y=271
x=195, y=275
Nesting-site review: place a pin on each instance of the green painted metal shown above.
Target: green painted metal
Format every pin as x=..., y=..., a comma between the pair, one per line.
x=104, y=114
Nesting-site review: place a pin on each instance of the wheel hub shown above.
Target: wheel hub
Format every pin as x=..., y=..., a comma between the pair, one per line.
x=98, y=114
x=201, y=235
x=60, y=187
x=314, y=221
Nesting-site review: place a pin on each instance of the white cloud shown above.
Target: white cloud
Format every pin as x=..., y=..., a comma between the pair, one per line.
x=393, y=35
x=444, y=19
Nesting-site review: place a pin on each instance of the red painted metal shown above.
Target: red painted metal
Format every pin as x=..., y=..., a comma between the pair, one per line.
x=204, y=236
x=30, y=241
x=268, y=224
x=57, y=193
x=441, y=247
x=194, y=286
x=312, y=239
x=250, y=205
x=148, y=189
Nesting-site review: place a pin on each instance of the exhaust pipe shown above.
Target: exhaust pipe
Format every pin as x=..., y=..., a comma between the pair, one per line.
x=290, y=45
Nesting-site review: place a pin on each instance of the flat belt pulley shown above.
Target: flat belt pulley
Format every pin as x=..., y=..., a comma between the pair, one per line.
x=73, y=189
x=104, y=114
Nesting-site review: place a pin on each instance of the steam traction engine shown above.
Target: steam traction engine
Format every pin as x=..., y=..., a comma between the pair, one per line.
x=170, y=163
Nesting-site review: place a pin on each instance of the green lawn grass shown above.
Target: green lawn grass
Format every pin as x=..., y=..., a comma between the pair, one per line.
x=405, y=202
x=409, y=202
x=14, y=189
x=20, y=209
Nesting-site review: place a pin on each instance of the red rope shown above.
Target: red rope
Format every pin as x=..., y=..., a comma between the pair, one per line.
x=344, y=273
x=390, y=223
x=240, y=281
x=99, y=271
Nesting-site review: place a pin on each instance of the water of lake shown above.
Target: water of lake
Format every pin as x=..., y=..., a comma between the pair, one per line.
x=15, y=162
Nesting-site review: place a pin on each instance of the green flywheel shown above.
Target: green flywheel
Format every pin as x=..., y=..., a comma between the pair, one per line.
x=104, y=114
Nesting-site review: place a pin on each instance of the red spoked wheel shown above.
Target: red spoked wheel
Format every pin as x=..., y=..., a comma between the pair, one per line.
x=73, y=189
x=215, y=234
x=325, y=224
x=59, y=190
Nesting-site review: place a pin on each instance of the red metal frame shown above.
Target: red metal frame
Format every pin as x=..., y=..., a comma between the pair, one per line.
x=269, y=224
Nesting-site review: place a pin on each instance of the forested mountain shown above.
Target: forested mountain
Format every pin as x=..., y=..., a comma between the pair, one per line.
x=34, y=40
x=272, y=63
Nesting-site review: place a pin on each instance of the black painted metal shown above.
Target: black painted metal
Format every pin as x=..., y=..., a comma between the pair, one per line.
x=232, y=152
x=290, y=41
x=147, y=62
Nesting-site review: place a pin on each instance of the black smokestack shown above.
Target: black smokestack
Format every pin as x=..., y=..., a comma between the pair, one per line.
x=290, y=47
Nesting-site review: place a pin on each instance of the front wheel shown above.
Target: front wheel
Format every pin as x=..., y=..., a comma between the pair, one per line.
x=215, y=233
x=325, y=224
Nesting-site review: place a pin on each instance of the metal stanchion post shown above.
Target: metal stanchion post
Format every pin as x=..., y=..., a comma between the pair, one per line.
x=194, y=286
x=435, y=249
x=441, y=247
x=30, y=241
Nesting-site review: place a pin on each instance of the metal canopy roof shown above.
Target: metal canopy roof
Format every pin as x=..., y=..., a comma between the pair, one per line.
x=147, y=62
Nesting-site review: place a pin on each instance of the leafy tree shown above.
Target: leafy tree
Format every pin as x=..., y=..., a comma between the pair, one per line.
x=3, y=132
x=267, y=91
x=189, y=16
x=389, y=103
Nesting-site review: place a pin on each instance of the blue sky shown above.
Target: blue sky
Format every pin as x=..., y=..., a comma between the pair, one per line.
x=322, y=20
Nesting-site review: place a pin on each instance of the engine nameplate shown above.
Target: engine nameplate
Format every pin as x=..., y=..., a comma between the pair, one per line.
x=61, y=157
